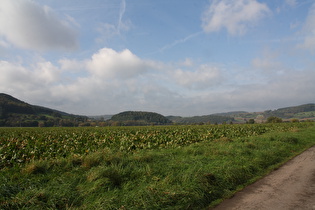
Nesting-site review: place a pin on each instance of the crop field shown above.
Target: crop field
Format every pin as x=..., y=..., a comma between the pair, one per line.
x=149, y=167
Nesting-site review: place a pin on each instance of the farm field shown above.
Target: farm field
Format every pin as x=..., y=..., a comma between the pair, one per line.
x=149, y=167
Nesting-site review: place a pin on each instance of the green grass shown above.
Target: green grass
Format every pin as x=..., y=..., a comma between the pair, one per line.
x=188, y=176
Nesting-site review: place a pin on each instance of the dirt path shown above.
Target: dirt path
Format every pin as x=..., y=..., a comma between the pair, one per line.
x=291, y=187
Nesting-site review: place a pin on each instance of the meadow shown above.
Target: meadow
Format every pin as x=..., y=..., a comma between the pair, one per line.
x=148, y=167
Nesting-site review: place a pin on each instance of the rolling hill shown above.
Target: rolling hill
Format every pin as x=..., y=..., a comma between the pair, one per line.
x=16, y=113
x=301, y=112
x=140, y=118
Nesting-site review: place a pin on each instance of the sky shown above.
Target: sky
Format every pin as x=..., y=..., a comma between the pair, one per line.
x=173, y=57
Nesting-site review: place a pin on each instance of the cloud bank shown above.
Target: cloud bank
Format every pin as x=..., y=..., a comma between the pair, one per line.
x=113, y=81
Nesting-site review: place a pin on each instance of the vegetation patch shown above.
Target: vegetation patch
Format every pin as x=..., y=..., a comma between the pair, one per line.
x=167, y=167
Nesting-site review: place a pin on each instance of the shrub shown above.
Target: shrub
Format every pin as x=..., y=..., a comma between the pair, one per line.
x=273, y=119
x=295, y=121
x=251, y=121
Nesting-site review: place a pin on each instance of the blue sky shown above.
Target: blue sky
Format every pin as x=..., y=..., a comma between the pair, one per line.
x=177, y=57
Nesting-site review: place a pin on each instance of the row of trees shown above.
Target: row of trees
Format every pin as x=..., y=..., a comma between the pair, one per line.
x=17, y=120
x=273, y=119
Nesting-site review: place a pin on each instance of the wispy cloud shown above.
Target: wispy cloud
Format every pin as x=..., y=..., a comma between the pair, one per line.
x=176, y=42
x=180, y=41
x=109, y=30
x=122, y=10
x=235, y=16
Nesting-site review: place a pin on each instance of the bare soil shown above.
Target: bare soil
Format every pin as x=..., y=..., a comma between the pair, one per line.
x=291, y=187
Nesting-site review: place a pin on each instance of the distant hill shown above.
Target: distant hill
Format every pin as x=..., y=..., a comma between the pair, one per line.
x=301, y=112
x=231, y=114
x=14, y=112
x=140, y=118
x=212, y=119
x=292, y=112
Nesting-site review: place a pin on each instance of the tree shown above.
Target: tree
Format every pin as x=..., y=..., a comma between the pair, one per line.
x=273, y=119
x=295, y=120
x=251, y=121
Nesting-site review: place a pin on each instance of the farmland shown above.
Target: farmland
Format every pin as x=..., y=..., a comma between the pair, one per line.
x=149, y=167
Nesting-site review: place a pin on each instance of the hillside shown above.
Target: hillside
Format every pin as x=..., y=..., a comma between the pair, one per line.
x=14, y=112
x=301, y=112
x=292, y=112
x=140, y=118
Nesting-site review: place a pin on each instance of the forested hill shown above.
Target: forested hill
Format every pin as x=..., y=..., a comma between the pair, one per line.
x=14, y=112
x=140, y=118
x=9, y=104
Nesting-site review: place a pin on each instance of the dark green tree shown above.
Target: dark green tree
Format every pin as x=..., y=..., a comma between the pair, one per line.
x=251, y=121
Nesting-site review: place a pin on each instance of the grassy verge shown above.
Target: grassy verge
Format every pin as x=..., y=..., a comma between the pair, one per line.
x=189, y=177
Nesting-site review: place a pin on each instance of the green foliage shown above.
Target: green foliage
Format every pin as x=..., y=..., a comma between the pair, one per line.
x=295, y=120
x=251, y=121
x=140, y=118
x=274, y=119
x=20, y=145
x=190, y=175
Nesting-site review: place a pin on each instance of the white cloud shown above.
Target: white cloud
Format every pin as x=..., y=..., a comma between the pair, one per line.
x=28, y=25
x=108, y=64
x=110, y=82
x=46, y=73
x=72, y=65
x=235, y=16
x=204, y=77
x=34, y=81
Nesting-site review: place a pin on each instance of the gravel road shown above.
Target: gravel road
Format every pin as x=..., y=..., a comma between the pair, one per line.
x=291, y=187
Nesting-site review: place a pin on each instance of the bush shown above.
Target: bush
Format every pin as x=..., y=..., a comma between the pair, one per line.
x=251, y=121
x=273, y=119
x=295, y=120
